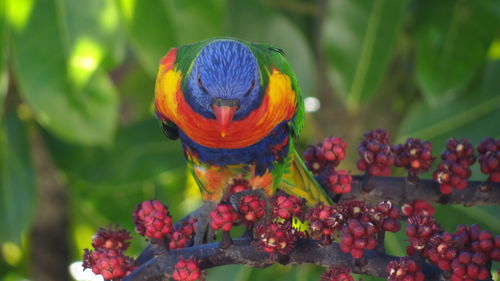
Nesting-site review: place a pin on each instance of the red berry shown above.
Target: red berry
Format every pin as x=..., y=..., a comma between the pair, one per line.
x=423, y=208
x=495, y=254
x=152, y=219
x=356, y=253
x=187, y=270
x=391, y=225
x=238, y=185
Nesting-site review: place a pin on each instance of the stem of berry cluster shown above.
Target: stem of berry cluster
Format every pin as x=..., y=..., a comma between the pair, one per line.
x=244, y=253
x=399, y=191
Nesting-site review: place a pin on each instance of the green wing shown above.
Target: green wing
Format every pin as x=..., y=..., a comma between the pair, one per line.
x=297, y=180
x=269, y=57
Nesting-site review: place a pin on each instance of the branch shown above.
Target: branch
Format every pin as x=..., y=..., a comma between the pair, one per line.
x=399, y=190
x=242, y=252
x=158, y=263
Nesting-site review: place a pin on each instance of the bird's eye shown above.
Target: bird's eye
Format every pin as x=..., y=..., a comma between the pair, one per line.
x=251, y=87
x=201, y=86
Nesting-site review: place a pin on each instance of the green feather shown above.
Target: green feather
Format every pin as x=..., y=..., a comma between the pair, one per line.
x=298, y=180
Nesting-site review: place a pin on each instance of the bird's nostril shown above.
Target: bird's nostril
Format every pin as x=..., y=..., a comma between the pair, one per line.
x=217, y=101
x=226, y=102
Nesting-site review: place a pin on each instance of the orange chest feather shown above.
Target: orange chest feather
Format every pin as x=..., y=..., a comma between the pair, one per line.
x=278, y=105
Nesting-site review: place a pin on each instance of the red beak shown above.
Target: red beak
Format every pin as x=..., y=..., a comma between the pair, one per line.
x=224, y=114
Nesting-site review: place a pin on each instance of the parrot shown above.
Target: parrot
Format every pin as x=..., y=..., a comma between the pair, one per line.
x=237, y=109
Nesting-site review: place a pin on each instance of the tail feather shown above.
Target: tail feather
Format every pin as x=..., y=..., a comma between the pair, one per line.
x=298, y=180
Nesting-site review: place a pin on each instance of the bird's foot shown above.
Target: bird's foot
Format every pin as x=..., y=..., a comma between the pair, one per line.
x=203, y=232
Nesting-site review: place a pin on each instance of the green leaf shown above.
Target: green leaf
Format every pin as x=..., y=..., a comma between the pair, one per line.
x=17, y=179
x=268, y=26
x=80, y=113
x=94, y=36
x=474, y=116
x=453, y=37
x=197, y=20
x=156, y=26
x=3, y=54
x=359, y=39
x=450, y=216
x=150, y=29
x=140, y=153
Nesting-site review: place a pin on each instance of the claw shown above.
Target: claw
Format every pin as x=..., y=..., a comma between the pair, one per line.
x=203, y=232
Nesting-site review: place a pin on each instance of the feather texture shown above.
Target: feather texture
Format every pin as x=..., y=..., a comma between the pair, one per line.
x=257, y=145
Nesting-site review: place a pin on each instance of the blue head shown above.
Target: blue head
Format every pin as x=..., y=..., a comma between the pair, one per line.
x=224, y=82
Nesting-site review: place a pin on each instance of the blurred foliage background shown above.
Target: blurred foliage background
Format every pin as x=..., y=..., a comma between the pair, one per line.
x=79, y=146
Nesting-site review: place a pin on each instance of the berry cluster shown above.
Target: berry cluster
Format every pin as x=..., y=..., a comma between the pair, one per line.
x=356, y=236
x=385, y=216
x=353, y=209
x=276, y=234
x=252, y=208
x=327, y=154
x=418, y=207
x=376, y=153
x=152, y=219
x=287, y=206
x=108, y=258
x=111, y=264
x=337, y=273
x=223, y=217
x=414, y=155
x=238, y=185
x=182, y=235
x=324, y=221
x=338, y=182
x=466, y=253
x=469, y=266
x=112, y=238
x=441, y=250
x=420, y=229
x=275, y=237
x=404, y=269
x=489, y=158
x=454, y=169
x=187, y=270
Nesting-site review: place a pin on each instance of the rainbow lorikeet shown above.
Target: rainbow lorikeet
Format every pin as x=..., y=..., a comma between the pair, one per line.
x=236, y=107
